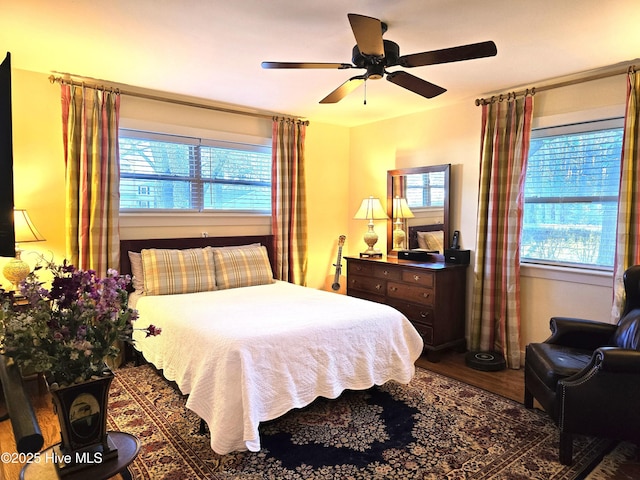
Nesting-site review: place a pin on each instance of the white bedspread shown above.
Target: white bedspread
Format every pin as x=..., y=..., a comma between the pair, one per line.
x=248, y=355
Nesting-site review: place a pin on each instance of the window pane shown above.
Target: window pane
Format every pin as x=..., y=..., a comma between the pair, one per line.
x=426, y=190
x=571, y=194
x=155, y=194
x=154, y=158
x=241, y=180
x=168, y=172
x=237, y=197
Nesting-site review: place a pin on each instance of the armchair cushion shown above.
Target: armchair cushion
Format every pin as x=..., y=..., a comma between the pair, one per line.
x=627, y=334
x=556, y=362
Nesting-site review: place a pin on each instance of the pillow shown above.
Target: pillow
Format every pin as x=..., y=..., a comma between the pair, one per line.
x=242, y=267
x=137, y=274
x=168, y=272
x=433, y=241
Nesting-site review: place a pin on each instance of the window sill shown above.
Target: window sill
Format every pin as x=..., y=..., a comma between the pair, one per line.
x=566, y=274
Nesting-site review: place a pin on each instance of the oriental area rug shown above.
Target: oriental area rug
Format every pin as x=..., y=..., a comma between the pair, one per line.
x=434, y=428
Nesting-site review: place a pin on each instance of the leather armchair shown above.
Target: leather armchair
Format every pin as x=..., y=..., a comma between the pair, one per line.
x=586, y=375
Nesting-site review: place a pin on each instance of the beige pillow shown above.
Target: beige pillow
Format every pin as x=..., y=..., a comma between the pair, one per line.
x=168, y=271
x=433, y=241
x=137, y=273
x=242, y=267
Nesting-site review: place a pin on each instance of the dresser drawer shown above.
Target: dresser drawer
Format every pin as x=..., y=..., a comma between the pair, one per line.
x=360, y=268
x=367, y=296
x=415, y=313
x=411, y=293
x=367, y=284
x=387, y=272
x=425, y=332
x=417, y=277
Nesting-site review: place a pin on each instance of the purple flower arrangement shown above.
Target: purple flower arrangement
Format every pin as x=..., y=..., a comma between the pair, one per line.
x=70, y=330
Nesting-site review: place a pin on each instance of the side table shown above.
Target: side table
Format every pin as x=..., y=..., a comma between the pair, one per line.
x=128, y=447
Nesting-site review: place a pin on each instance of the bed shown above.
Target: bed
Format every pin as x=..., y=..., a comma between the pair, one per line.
x=249, y=353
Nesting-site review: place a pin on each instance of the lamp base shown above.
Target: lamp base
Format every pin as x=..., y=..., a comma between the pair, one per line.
x=16, y=270
x=371, y=255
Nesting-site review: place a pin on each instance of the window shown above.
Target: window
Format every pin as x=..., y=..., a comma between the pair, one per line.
x=166, y=172
x=571, y=195
x=425, y=190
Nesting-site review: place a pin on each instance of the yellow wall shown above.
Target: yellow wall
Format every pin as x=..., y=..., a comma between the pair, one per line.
x=38, y=161
x=452, y=135
x=343, y=166
x=39, y=172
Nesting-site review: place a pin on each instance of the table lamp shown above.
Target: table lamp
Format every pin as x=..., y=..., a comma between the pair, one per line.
x=401, y=211
x=16, y=270
x=371, y=209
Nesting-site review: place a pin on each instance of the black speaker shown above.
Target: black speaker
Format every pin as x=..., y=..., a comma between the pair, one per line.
x=460, y=257
x=415, y=255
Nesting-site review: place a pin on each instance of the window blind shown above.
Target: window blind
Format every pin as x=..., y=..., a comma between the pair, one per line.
x=571, y=195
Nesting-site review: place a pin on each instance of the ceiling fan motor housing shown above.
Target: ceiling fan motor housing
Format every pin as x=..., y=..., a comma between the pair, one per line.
x=391, y=56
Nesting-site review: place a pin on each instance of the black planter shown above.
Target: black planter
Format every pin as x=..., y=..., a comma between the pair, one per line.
x=82, y=413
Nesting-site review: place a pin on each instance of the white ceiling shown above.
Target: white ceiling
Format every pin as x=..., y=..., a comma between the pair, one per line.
x=212, y=49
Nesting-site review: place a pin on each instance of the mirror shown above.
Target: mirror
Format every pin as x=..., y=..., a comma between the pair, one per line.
x=425, y=223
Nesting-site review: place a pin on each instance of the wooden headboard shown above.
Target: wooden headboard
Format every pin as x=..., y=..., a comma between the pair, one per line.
x=196, y=242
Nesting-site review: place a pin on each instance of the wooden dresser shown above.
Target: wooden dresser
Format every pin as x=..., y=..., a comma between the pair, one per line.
x=430, y=294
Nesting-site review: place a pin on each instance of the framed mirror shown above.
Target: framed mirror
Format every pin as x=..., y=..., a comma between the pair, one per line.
x=418, y=208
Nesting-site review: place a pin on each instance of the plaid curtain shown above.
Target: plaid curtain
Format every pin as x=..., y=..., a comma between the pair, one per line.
x=628, y=227
x=495, y=325
x=90, y=135
x=288, y=200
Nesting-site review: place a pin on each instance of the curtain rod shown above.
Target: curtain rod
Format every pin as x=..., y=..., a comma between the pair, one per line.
x=63, y=81
x=552, y=86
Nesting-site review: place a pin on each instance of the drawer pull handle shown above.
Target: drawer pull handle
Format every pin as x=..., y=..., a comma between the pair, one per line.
x=385, y=273
x=378, y=287
x=393, y=289
x=416, y=277
x=424, y=314
x=426, y=295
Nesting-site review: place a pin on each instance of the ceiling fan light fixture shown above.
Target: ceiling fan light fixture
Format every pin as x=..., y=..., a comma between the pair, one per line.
x=375, y=72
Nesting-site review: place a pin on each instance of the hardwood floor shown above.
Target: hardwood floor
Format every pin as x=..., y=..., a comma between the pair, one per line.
x=508, y=383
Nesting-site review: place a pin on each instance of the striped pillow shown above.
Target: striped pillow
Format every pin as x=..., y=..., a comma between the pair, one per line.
x=242, y=267
x=167, y=272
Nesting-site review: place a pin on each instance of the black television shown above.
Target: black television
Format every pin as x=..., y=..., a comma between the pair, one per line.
x=7, y=233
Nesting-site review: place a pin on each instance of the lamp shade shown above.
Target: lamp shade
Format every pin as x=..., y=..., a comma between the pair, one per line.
x=401, y=208
x=371, y=209
x=24, y=227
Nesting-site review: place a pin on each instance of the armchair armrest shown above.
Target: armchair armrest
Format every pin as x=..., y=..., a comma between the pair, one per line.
x=579, y=333
x=600, y=399
x=617, y=360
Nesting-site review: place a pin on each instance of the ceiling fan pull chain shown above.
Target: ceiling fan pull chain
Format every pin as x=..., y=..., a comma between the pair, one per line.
x=365, y=92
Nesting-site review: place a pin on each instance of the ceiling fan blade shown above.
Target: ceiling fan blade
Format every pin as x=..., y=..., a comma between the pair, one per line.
x=415, y=84
x=446, y=55
x=343, y=90
x=368, y=33
x=339, y=66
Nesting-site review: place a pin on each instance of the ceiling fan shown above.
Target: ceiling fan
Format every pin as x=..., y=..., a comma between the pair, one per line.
x=374, y=54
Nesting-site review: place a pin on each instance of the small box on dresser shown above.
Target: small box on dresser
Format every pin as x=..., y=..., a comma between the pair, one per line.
x=430, y=294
